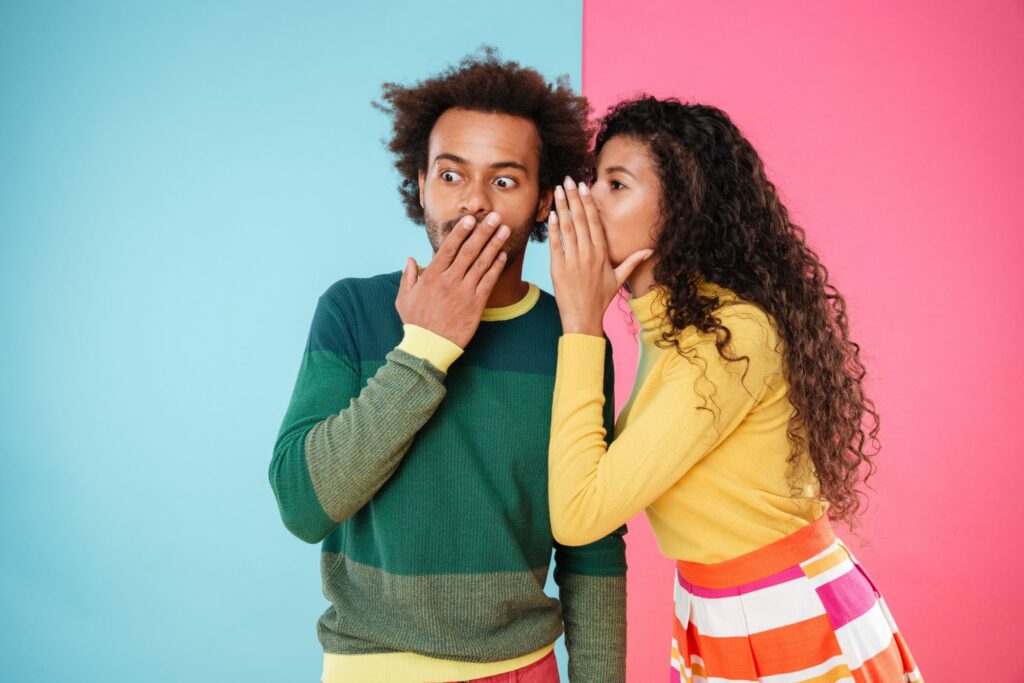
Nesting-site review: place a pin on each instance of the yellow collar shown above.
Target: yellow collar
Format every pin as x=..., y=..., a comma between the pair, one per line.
x=521, y=307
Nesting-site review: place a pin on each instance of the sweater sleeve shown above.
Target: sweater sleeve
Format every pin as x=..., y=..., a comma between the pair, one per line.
x=592, y=588
x=699, y=400
x=338, y=444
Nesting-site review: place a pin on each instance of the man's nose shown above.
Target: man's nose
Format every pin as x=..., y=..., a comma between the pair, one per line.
x=475, y=201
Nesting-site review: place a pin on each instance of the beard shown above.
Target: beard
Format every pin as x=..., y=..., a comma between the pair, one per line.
x=515, y=244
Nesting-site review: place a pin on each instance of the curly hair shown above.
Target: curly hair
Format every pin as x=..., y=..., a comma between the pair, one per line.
x=722, y=220
x=485, y=83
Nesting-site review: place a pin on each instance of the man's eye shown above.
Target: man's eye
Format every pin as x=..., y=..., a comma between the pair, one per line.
x=506, y=183
x=450, y=176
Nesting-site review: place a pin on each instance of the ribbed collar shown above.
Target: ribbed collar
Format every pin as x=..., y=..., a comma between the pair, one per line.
x=521, y=307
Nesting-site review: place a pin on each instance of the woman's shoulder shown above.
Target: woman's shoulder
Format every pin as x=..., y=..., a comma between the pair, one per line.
x=752, y=332
x=749, y=325
x=746, y=319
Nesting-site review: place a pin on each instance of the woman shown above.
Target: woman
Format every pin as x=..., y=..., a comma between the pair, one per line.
x=748, y=426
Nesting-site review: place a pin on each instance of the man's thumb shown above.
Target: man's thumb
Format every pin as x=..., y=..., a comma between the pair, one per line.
x=409, y=274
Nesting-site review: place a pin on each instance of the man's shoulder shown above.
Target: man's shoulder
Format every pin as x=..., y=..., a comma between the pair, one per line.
x=350, y=290
x=357, y=316
x=547, y=309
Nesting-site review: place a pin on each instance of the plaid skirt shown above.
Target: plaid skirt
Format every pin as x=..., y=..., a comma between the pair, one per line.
x=800, y=610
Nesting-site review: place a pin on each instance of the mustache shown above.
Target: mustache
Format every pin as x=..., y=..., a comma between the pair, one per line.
x=449, y=225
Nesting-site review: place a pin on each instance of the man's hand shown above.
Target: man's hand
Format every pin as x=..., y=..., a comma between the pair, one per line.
x=449, y=296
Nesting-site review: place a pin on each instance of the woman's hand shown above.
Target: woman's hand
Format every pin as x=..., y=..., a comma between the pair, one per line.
x=583, y=277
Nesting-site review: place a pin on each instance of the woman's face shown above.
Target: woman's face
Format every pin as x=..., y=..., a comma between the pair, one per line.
x=627, y=193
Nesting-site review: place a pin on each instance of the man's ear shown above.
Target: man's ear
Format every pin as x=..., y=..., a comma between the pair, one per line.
x=544, y=205
x=420, y=179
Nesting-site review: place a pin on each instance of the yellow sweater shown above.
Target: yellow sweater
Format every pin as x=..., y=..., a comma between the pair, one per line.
x=701, y=446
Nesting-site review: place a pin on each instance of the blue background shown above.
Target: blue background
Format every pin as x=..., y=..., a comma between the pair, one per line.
x=178, y=184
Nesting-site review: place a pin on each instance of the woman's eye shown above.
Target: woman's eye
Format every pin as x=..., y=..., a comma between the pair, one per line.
x=616, y=185
x=506, y=183
x=450, y=176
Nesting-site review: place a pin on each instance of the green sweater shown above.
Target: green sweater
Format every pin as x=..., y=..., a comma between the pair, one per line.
x=428, y=490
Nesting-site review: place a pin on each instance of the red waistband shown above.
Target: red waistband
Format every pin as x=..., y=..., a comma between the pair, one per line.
x=773, y=558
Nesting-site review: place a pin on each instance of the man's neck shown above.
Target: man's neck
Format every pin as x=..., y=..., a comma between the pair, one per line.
x=510, y=288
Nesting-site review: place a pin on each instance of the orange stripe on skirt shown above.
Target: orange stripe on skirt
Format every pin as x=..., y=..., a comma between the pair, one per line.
x=801, y=608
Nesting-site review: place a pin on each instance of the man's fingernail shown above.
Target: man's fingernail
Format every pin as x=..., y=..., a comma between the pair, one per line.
x=503, y=232
x=467, y=222
x=584, y=190
x=569, y=183
x=492, y=219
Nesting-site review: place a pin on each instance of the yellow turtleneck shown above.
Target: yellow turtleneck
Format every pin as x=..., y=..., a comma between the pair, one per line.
x=701, y=444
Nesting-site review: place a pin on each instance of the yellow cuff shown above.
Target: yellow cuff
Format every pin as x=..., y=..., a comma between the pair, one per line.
x=422, y=343
x=581, y=361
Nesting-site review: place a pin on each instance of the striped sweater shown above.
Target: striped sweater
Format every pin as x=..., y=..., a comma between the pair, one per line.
x=426, y=486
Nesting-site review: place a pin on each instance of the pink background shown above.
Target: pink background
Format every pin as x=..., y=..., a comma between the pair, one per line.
x=895, y=132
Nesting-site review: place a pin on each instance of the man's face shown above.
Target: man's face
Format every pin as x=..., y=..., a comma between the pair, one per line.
x=478, y=163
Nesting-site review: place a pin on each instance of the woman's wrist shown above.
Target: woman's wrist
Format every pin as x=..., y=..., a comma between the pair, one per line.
x=594, y=329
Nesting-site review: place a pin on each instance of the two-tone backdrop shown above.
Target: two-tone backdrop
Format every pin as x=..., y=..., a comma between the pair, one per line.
x=180, y=181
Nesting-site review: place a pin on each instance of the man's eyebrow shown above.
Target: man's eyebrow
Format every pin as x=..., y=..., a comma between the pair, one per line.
x=510, y=164
x=465, y=162
x=451, y=157
x=620, y=169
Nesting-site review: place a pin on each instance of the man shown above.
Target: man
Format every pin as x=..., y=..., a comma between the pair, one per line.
x=415, y=444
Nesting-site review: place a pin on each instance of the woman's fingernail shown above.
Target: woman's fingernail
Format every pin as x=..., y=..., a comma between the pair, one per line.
x=584, y=190
x=569, y=183
x=559, y=192
x=552, y=217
